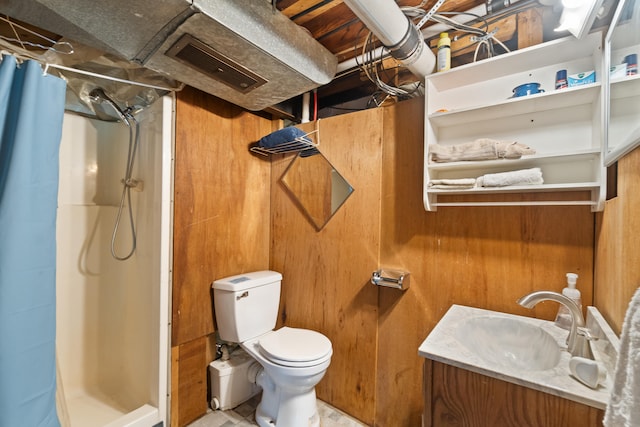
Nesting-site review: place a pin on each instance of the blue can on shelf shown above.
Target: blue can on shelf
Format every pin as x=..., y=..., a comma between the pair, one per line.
x=561, y=79
x=632, y=64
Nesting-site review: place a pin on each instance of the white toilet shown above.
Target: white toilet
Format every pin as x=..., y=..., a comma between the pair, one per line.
x=291, y=361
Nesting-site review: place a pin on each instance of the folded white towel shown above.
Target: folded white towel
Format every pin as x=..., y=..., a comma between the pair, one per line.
x=531, y=176
x=480, y=149
x=452, y=184
x=623, y=409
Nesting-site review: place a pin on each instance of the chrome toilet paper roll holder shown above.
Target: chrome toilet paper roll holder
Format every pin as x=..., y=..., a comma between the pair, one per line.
x=391, y=279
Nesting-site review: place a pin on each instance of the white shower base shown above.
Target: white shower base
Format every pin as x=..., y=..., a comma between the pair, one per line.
x=113, y=317
x=97, y=411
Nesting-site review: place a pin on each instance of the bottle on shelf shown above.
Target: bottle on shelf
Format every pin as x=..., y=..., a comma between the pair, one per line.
x=444, y=53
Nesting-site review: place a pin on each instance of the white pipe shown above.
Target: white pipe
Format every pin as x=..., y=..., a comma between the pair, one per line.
x=306, y=98
x=427, y=32
x=383, y=17
x=396, y=32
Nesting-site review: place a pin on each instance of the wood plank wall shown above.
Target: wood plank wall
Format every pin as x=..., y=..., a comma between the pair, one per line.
x=617, y=267
x=326, y=274
x=485, y=257
x=221, y=228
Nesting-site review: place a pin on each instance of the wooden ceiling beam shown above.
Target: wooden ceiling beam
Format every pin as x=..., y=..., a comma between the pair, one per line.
x=339, y=30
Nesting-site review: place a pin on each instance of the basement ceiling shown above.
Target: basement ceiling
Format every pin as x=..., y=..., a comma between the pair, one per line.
x=518, y=23
x=333, y=24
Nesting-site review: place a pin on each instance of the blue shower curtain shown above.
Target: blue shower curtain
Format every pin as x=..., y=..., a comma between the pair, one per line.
x=31, y=113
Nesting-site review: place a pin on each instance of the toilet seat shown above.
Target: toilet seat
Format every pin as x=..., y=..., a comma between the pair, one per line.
x=295, y=347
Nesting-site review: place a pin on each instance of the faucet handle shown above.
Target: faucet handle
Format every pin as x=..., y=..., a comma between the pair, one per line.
x=585, y=332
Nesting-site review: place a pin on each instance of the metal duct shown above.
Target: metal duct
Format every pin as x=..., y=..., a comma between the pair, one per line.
x=396, y=32
x=243, y=51
x=282, y=58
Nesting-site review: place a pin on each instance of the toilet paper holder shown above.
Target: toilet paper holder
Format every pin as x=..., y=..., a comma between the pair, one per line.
x=391, y=279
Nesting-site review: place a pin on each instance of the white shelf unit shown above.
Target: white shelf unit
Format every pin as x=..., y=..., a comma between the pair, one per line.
x=624, y=111
x=563, y=126
x=624, y=108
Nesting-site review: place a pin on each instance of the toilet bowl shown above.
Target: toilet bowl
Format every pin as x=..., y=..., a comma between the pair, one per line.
x=291, y=360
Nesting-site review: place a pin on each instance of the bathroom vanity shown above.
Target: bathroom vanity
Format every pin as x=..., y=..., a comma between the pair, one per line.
x=469, y=383
x=457, y=397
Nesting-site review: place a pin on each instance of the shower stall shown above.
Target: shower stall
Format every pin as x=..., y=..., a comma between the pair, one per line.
x=112, y=321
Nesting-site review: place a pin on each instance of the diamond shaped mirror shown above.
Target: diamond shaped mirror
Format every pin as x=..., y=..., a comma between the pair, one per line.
x=317, y=186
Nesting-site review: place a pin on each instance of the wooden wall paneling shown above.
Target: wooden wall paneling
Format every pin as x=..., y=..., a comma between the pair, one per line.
x=427, y=392
x=402, y=322
x=189, y=393
x=611, y=293
x=485, y=257
x=221, y=228
x=617, y=270
x=464, y=398
x=174, y=408
x=221, y=221
x=530, y=27
x=326, y=273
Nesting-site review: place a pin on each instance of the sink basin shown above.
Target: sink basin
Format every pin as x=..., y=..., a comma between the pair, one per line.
x=521, y=350
x=507, y=342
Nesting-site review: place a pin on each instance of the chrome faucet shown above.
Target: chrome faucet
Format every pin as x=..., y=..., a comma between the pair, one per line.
x=577, y=341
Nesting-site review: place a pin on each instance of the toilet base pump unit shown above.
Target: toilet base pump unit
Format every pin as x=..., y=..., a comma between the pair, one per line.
x=229, y=380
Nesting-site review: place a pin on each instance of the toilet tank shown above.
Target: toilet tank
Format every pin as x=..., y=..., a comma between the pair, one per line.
x=246, y=305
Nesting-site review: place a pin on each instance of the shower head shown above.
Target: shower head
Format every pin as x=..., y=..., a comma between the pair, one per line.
x=111, y=112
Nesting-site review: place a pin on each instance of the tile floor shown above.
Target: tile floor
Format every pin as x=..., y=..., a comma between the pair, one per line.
x=242, y=416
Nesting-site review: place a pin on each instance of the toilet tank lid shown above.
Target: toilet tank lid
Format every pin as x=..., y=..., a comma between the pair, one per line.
x=244, y=281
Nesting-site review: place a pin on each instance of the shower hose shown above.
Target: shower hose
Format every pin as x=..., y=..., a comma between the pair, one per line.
x=127, y=183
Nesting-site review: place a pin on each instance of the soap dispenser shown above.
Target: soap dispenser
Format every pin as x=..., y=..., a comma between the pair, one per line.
x=563, y=319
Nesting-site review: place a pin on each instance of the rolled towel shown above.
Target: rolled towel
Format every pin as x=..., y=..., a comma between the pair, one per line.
x=452, y=184
x=309, y=152
x=480, y=149
x=623, y=409
x=531, y=176
x=288, y=139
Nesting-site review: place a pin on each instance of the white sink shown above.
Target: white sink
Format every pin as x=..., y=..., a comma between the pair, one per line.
x=521, y=350
x=510, y=343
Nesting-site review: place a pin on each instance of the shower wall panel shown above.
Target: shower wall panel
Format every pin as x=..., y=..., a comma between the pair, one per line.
x=112, y=315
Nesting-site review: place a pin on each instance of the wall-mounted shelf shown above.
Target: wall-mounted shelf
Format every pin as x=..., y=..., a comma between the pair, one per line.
x=624, y=110
x=563, y=126
x=621, y=105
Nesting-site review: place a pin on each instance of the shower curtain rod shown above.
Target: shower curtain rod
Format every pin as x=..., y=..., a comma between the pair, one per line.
x=102, y=76
x=47, y=65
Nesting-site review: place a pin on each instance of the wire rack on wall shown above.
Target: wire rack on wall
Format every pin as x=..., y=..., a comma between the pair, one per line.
x=302, y=143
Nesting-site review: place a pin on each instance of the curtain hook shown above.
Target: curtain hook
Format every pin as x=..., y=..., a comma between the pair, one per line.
x=46, y=69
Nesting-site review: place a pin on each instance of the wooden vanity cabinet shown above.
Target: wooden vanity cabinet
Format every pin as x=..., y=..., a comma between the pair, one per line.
x=455, y=397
